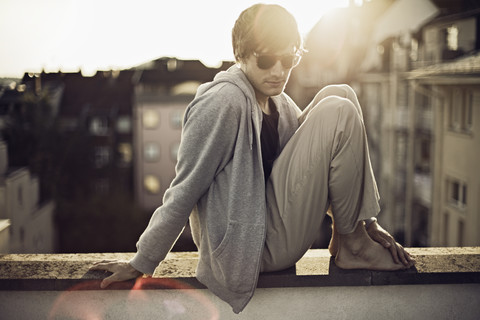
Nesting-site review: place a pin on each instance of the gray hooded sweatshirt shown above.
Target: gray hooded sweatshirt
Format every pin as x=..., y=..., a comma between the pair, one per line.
x=220, y=186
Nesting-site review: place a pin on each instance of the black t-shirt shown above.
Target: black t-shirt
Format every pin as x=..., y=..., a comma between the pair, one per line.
x=269, y=139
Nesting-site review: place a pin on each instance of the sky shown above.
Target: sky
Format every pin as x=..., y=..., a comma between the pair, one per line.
x=91, y=35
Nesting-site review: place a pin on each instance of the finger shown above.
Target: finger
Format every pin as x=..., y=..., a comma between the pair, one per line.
x=387, y=240
x=410, y=259
x=382, y=239
x=107, y=281
x=101, y=266
x=103, y=262
x=402, y=255
x=106, y=265
x=386, y=243
x=116, y=277
x=394, y=252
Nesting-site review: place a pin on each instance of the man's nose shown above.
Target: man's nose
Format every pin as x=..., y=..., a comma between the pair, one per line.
x=278, y=69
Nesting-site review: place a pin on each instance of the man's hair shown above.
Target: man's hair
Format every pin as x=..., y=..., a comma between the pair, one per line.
x=264, y=27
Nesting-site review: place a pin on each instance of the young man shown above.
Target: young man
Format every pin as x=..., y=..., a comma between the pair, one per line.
x=255, y=175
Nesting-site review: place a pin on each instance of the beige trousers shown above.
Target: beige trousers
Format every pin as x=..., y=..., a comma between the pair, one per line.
x=326, y=162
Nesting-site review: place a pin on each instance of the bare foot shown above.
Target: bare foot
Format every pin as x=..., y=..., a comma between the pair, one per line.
x=333, y=245
x=358, y=251
x=371, y=257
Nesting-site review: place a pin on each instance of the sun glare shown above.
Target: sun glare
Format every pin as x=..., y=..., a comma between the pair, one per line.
x=308, y=15
x=88, y=35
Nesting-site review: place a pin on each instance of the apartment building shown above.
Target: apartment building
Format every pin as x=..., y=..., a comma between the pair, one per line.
x=414, y=66
x=29, y=223
x=163, y=90
x=424, y=94
x=158, y=133
x=454, y=91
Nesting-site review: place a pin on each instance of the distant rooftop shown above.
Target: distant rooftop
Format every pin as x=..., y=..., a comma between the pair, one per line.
x=469, y=65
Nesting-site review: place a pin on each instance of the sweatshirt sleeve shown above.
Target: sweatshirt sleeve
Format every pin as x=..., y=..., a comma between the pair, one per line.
x=209, y=135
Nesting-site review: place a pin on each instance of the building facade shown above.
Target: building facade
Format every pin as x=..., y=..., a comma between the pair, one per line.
x=424, y=95
x=31, y=227
x=157, y=133
x=455, y=90
x=415, y=68
x=163, y=90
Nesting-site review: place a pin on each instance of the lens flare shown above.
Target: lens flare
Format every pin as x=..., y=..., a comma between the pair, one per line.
x=147, y=298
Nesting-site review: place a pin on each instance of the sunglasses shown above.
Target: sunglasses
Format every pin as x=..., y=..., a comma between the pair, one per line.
x=266, y=61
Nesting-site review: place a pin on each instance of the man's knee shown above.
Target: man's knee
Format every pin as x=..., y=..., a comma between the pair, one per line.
x=341, y=90
x=333, y=107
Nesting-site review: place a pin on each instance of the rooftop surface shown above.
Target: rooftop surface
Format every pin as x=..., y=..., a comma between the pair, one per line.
x=316, y=268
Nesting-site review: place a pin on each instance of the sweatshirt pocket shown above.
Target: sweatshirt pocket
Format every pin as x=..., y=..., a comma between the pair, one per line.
x=235, y=260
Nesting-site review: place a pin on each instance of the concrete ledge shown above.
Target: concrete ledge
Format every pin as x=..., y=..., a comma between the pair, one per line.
x=58, y=272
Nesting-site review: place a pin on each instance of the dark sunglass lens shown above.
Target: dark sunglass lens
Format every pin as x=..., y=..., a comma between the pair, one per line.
x=287, y=61
x=290, y=61
x=266, y=61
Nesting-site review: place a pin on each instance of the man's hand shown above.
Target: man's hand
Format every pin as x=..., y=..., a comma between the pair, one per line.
x=380, y=235
x=121, y=270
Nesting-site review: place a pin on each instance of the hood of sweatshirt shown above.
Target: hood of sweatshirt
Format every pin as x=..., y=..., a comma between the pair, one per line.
x=235, y=75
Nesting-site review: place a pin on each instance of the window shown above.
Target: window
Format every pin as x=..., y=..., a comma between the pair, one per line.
x=124, y=124
x=457, y=193
x=452, y=38
x=101, y=186
x=460, y=37
x=98, y=126
x=151, y=151
x=152, y=184
x=172, y=65
x=125, y=154
x=151, y=119
x=176, y=119
x=422, y=153
x=461, y=110
x=101, y=156
x=467, y=112
x=414, y=49
x=455, y=104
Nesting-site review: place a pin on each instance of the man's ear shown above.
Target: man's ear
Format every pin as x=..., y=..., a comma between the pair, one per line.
x=241, y=64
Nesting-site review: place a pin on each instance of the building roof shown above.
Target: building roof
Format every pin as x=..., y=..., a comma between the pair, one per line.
x=103, y=92
x=172, y=71
x=113, y=91
x=463, y=67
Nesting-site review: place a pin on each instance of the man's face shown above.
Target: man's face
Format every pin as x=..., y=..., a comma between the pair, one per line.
x=266, y=78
